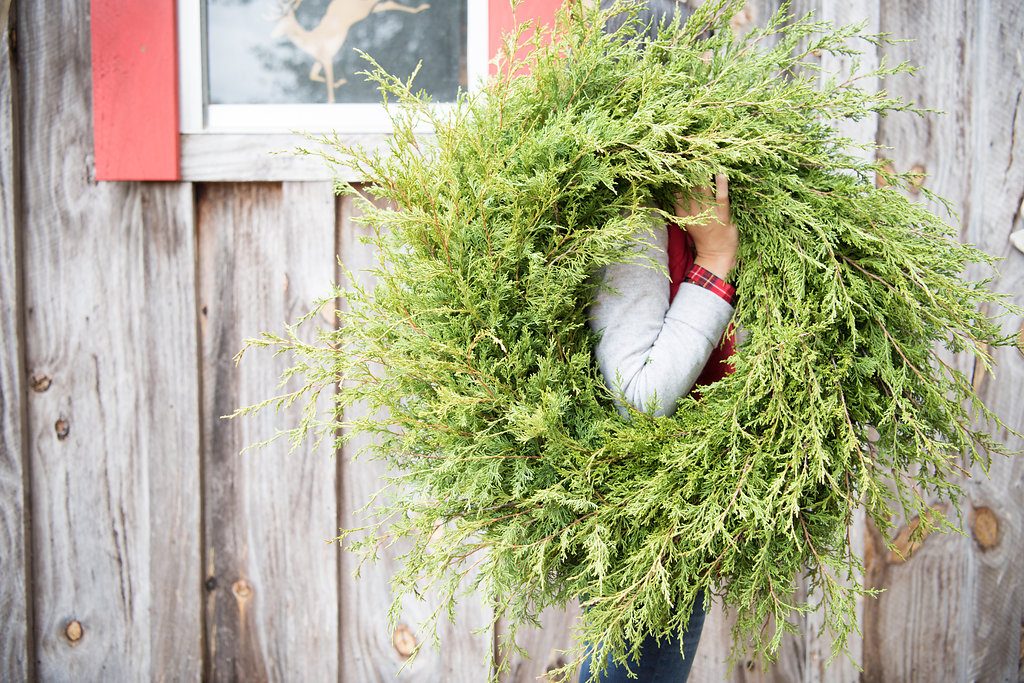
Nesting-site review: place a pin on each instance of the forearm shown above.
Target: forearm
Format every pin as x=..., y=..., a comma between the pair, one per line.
x=652, y=351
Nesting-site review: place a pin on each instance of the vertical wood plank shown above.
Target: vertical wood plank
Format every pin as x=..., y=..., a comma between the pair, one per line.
x=114, y=438
x=369, y=651
x=954, y=610
x=15, y=628
x=710, y=661
x=266, y=252
x=546, y=645
x=804, y=655
x=109, y=281
x=906, y=610
x=995, y=516
x=168, y=379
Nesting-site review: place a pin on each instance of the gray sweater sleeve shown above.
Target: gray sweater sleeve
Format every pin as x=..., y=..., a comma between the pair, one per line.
x=652, y=351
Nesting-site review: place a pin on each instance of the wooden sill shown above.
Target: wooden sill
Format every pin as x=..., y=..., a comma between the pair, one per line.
x=239, y=157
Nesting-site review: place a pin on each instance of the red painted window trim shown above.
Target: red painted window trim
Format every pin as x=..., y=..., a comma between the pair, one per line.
x=135, y=82
x=135, y=90
x=500, y=19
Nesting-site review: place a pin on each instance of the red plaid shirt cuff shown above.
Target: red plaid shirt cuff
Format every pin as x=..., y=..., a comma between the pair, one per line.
x=701, y=276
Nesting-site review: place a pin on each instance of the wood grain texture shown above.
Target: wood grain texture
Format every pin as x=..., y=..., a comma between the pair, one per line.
x=819, y=647
x=369, y=651
x=109, y=309
x=804, y=656
x=236, y=158
x=266, y=252
x=15, y=563
x=995, y=515
x=114, y=438
x=801, y=657
x=170, y=438
x=912, y=632
x=547, y=645
x=224, y=157
x=117, y=368
x=954, y=610
x=710, y=662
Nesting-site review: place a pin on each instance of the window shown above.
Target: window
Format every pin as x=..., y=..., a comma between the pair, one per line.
x=274, y=66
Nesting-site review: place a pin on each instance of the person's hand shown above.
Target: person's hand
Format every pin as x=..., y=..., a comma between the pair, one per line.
x=717, y=239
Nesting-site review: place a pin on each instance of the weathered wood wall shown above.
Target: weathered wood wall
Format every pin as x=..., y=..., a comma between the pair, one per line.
x=135, y=543
x=963, y=596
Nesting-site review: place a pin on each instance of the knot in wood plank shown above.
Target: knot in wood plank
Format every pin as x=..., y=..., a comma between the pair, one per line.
x=242, y=589
x=403, y=640
x=74, y=631
x=985, y=528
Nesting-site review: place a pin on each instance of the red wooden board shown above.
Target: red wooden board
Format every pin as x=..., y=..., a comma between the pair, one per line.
x=134, y=89
x=501, y=20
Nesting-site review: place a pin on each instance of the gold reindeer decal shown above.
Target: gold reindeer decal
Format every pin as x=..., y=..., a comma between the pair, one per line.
x=323, y=41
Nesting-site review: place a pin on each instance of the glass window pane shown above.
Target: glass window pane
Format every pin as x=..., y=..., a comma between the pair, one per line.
x=269, y=52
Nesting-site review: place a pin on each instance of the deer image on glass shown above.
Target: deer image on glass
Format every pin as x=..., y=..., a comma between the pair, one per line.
x=324, y=40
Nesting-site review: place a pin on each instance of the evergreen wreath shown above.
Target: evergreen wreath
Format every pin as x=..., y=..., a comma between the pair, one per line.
x=518, y=479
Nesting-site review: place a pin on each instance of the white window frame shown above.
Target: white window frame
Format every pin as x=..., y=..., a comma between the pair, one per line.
x=199, y=118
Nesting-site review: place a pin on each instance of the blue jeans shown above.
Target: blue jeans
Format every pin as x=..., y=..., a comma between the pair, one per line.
x=658, y=663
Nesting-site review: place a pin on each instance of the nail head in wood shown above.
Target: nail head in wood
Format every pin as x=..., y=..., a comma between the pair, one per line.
x=555, y=662
x=62, y=428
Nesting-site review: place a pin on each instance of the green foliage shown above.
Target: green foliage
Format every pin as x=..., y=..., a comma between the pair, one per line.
x=516, y=476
